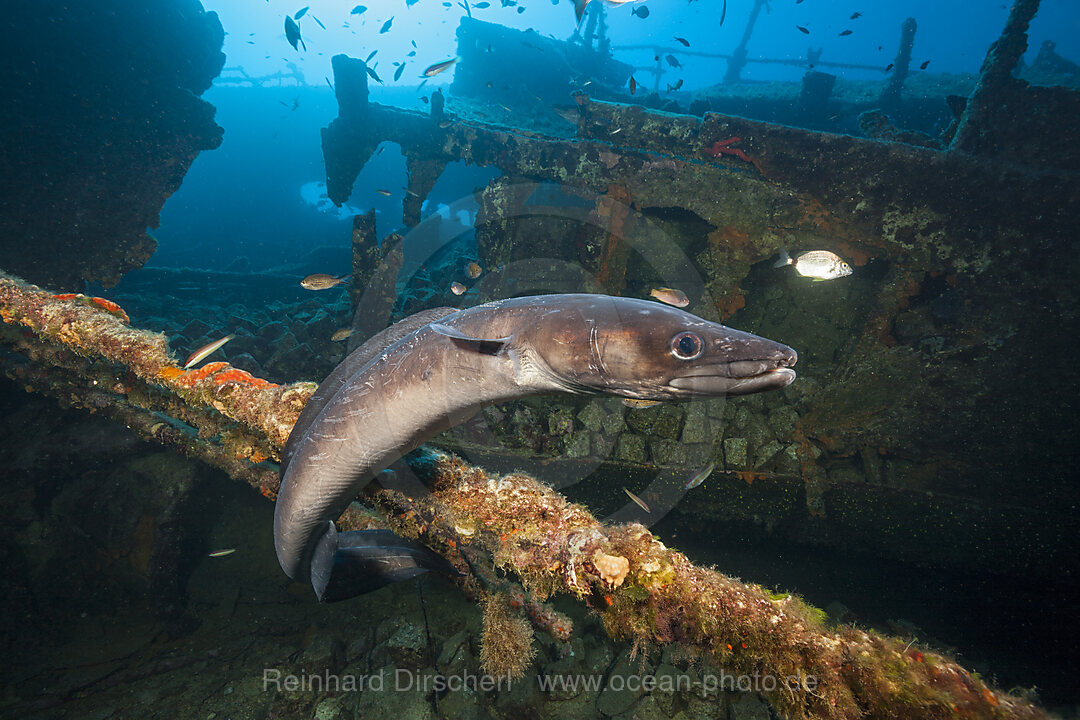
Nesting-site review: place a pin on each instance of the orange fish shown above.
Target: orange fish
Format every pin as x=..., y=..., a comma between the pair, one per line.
x=671, y=296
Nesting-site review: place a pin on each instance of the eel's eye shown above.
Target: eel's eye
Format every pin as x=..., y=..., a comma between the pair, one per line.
x=687, y=345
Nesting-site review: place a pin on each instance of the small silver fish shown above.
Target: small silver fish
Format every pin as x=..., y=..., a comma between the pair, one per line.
x=322, y=281
x=816, y=264
x=341, y=334
x=222, y=553
x=205, y=351
x=699, y=477
x=433, y=70
x=637, y=501
x=671, y=296
x=457, y=288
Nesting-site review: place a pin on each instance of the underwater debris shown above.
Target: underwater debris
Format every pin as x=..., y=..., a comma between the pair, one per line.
x=542, y=616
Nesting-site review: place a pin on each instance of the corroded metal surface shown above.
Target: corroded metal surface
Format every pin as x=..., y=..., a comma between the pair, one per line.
x=649, y=593
x=106, y=131
x=139, y=366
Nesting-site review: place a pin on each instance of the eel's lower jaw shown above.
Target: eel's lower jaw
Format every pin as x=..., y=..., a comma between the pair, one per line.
x=772, y=379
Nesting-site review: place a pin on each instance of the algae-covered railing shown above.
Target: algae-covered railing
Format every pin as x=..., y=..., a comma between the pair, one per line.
x=83, y=351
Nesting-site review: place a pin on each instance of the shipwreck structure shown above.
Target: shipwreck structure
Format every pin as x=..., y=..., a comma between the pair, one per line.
x=106, y=131
x=940, y=240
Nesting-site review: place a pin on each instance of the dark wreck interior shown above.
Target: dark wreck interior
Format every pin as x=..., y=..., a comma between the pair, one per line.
x=926, y=448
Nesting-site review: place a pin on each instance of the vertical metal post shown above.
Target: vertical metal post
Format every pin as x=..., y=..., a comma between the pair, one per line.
x=890, y=96
x=996, y=75
x=738, y=58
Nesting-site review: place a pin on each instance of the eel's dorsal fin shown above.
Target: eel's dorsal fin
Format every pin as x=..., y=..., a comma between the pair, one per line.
x=486, y=346
x=386, y=337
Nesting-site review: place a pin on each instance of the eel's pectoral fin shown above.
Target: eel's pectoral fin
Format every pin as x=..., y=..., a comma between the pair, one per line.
x=487, y=346
x=348, y=564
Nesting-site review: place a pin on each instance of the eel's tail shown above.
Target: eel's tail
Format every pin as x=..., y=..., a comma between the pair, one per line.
x=348, y=564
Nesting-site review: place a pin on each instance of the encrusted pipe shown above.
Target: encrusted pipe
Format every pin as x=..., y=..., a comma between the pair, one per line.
x=996, y=77
x=651, y=594
x=95, y=327
x=890, y=96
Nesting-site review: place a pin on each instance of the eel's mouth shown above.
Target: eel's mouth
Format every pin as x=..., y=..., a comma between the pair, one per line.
x=740, y=377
